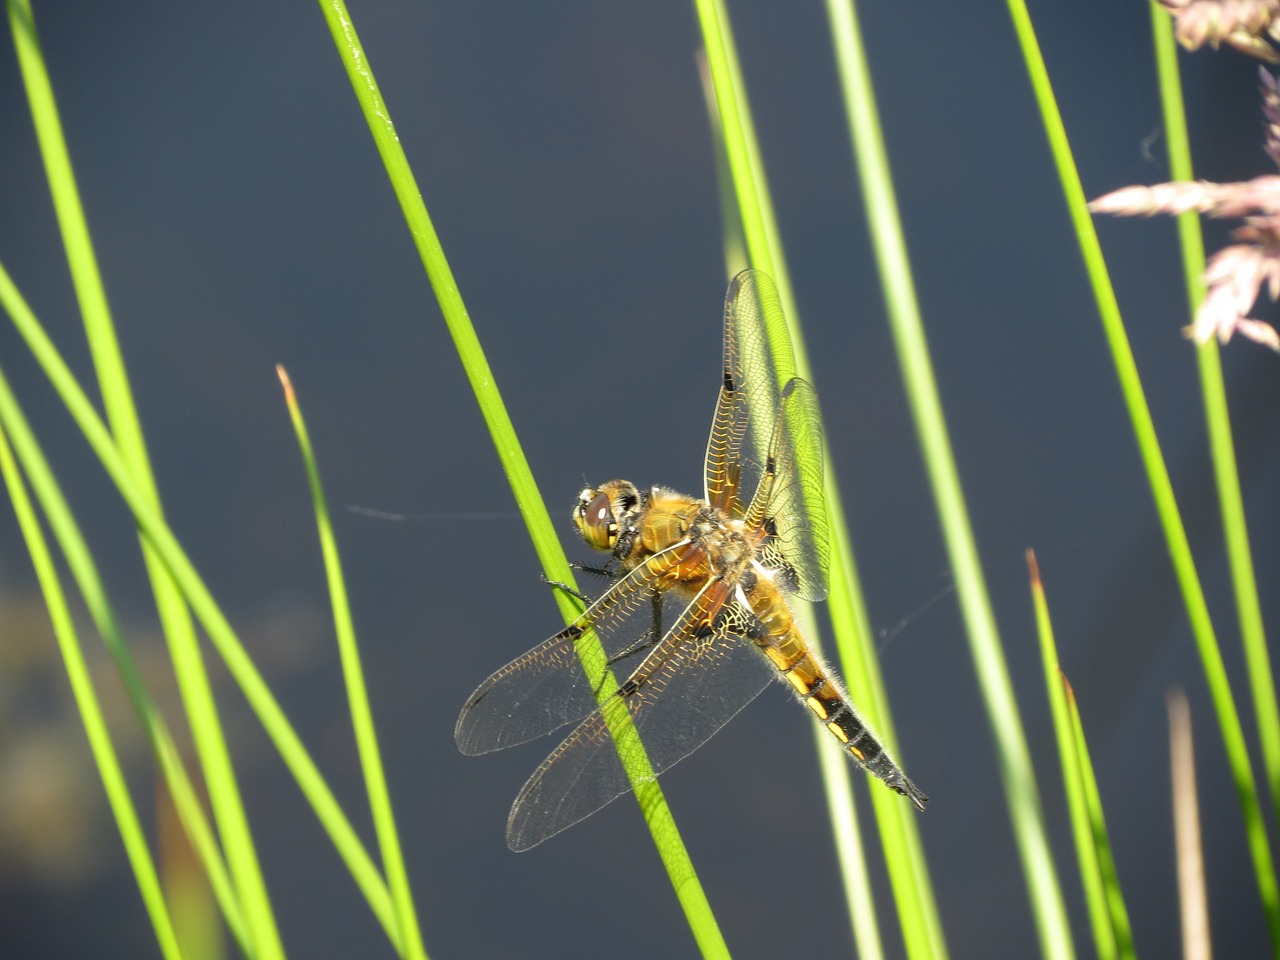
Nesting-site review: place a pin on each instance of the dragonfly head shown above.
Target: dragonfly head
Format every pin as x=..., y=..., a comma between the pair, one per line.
x=602, y=515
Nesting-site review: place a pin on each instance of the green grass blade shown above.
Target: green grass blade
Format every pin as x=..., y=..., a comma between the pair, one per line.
x=83, y=569
x=1157, y=476
x=1116, y=910
x=95, y=725
x=546, y=544
x=904, y=857
x=193, y=681
x=851, y=855
x=1218, y=422
x=1074, y=772
x=834, y=767
x=895, y=275
x=224, y=640
x=912, y=886
x=358, y=696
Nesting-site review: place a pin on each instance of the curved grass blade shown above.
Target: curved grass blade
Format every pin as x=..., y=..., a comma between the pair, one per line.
x=906, y=325
x=904, y=856
x=1107, y=915
x=1157, y=476
x=1116, y=911
x=358, y=696
x=546, y=544
x=1218, y=422
x=228, y=645
x=193, y=682
x=95, y=724
x=84, y=570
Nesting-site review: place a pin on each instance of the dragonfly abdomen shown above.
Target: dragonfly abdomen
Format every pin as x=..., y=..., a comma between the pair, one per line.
x=813, y=684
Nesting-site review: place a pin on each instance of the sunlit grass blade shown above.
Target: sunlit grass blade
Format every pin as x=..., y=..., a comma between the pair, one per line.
x=850, y=852
x=1218, y=421
x=197, y=916
x=907, y=328
x=1116, y=910
x=908, y=873
x=546, y=544
x=84, y=570
x=912, y=885
x=1157, y=476
x=835, y=768
x=1193, y=898
x=358, y=695
x=95, y=725
x=1104, y=935
x=241, y=667
x=193, y=681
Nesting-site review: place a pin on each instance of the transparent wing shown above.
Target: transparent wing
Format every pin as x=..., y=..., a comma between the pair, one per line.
x=756, y=344
x=688, y=687
x=546, y=688
x=766, y=438
x=789, y=501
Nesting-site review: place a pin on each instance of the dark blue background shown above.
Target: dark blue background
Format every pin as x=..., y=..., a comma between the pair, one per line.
x=243, y=219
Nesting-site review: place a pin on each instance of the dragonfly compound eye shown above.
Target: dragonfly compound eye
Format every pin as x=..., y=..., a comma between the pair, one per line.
x=595, y=521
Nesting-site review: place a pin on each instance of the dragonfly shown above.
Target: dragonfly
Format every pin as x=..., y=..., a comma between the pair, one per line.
x=696, y=619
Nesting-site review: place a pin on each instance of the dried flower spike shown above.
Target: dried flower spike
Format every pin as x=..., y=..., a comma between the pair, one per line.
x=1245, y=25
x=1234, y=276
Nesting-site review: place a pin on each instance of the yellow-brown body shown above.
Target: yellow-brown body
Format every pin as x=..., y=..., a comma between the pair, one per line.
x=704, y=550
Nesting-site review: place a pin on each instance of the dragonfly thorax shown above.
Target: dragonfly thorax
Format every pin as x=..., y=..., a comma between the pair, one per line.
x=634, y=525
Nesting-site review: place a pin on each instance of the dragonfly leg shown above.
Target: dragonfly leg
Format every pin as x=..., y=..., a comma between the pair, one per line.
x=649, y=639
x=607, y=571
x=560, y=585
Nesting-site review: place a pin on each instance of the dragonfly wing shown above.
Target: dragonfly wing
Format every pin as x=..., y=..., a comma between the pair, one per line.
x=789, y=500
x=766, y=437
x=755, y=333
x=689, y=686
x=547, y=687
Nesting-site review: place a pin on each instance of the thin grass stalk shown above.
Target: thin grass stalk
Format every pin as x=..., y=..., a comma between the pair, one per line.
x=1104, y=937
x=366, y=736
x=1157, y=476
x=732, y=238
x=1193, y=899
x=221, y=635
x=850, y=853
x=197, y=915
x=95, y=724
x=1104, y=898
x=904, y=857
x=1218, y=421
x=835, y=768
x=895, y=276
x=1101, y=838
x=666, y=836
x=80, y=561
x=193, y=682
